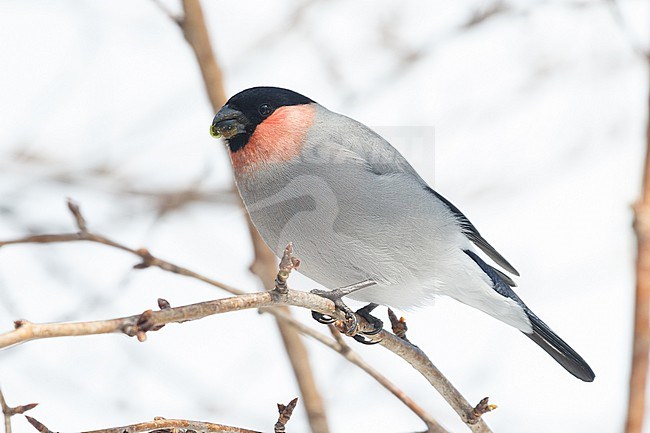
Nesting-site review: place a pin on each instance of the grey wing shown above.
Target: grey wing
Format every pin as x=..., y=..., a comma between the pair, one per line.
x=382, y=158
x=377, y=154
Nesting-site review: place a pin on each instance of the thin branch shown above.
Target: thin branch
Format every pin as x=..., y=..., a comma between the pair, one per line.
x=636, y=407
x=138, y=325
x=148, y=260
x=419, y=360
x=158, y=425
x=338, y=345
x=8, y=412
x=165, y=10
x=344, y=349
x=483, y=407
x=287, y=264
x=398, y=325
x=285, y=415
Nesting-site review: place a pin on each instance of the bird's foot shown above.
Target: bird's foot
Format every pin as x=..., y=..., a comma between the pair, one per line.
x=350, y=324
x=377, y=325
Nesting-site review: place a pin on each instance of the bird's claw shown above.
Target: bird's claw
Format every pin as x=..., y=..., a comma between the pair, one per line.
x=377, y=325
x=325, y=319
x=349, y=326
x=364, y=340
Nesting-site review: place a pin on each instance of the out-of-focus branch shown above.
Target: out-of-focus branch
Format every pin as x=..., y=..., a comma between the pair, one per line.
x=160, y=425
x=8, y=412
x=636, y=407
x=196, y=34
x=636, y=410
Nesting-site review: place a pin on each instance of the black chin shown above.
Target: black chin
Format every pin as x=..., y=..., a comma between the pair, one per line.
x=238, y=142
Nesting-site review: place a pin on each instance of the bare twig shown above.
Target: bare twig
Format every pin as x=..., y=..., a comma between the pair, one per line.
x=171, y=15
x=636, y=409
x=484, y=13
x=76, y=213
x=138, y=325
x=285, y=415
x=483, y=407
x=148, y=260
x=419, y=360
x=344, y=349
x=398, y=325
x=159, y=425
x=339, y=345
x=38, y=425
x=8, y=412
x=287, y=264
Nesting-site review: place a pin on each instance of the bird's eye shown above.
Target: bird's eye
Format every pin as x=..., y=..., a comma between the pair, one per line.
x=265, y=110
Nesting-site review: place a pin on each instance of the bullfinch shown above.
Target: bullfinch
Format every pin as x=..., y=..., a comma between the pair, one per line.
x=356, y=211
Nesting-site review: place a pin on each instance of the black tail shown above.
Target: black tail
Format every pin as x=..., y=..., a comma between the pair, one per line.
x=559, y=350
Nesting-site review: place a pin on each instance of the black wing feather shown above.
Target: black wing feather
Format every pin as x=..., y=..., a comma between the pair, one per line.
x=500, y=286
x=541, y=333
x=558, y=349
x=473, y=235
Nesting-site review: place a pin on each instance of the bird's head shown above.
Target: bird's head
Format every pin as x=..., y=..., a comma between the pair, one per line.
x=263, y=124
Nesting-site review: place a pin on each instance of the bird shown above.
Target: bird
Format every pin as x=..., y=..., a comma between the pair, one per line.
x=356, y=211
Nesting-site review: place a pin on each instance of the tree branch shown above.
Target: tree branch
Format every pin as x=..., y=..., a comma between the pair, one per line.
x=636, y=409
x=158, y=425
x=8, y=412
x=138, y=325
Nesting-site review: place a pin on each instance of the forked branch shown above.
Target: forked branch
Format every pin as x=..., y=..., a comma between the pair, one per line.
x=138, y=325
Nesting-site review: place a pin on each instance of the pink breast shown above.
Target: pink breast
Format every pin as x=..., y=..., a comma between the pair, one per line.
x=279, y=138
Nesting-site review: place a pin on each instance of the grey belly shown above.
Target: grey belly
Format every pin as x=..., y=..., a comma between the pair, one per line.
x=343, y=234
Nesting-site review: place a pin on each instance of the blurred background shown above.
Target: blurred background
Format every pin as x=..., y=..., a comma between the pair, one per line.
x=529, y=116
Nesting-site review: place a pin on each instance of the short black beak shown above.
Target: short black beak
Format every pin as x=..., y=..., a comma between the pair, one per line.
x=228, y=123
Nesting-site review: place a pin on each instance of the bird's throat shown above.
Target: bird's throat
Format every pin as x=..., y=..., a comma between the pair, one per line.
x=279, y=138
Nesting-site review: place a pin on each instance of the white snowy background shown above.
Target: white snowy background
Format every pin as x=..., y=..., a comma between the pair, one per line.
x=539, y=116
